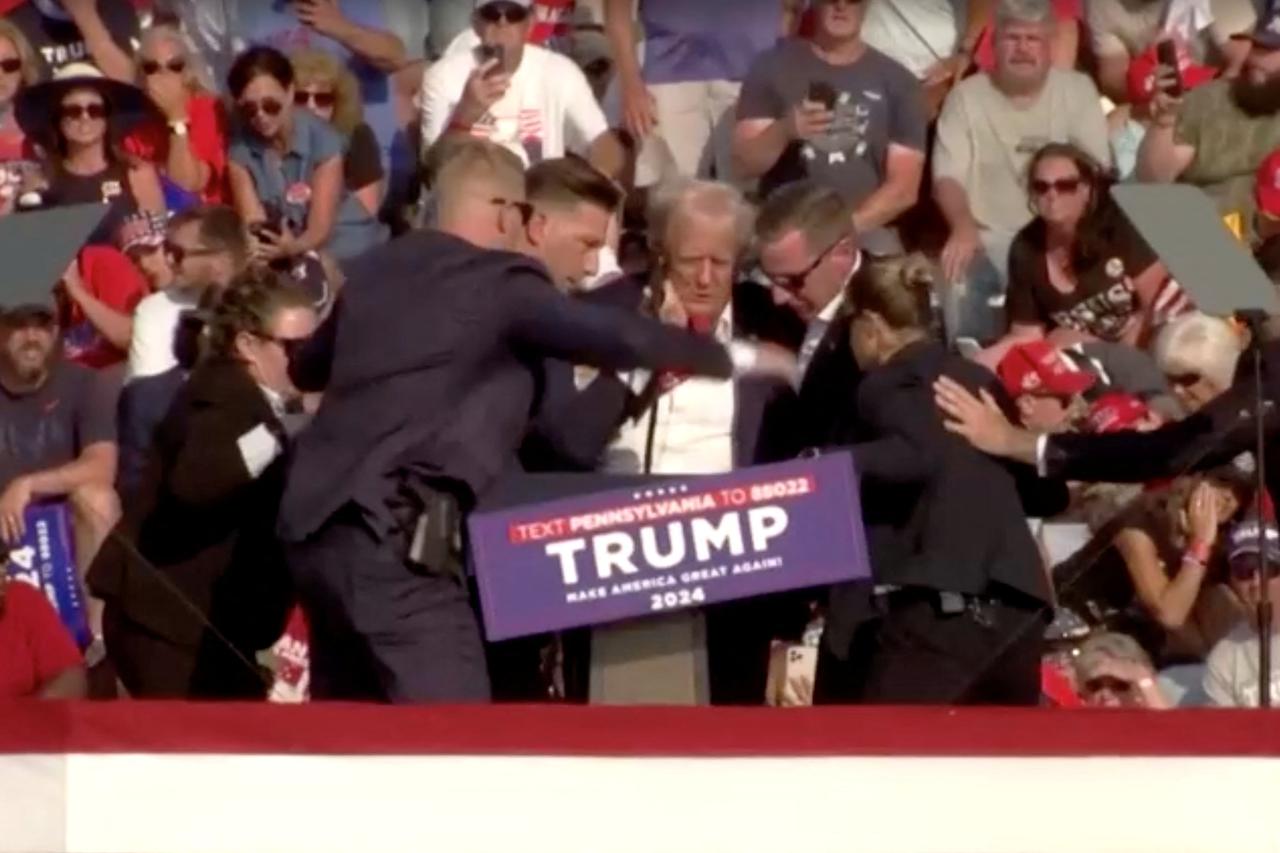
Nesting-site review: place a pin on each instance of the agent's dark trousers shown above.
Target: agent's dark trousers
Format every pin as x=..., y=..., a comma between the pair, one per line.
x=383, y=629
x=987, y=656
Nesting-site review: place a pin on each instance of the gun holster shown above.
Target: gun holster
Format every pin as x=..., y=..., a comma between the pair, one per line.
x=432, y=529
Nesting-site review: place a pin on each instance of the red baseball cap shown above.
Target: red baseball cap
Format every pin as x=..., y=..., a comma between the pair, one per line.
x=1266, y=186
x=1116, y=411
x=1142, y=75
x=1039, y=368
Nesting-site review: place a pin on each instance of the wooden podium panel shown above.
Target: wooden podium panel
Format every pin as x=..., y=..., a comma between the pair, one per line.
x=660, y=660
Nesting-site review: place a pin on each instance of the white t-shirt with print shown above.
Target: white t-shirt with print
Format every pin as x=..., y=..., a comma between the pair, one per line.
x=549, y=108
x=1231, y=670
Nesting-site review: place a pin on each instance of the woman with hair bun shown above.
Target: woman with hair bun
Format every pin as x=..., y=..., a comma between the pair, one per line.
x=193, y=578
x=957, y=614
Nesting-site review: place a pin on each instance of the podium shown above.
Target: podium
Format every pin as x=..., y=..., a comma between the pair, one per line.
x=655, y=660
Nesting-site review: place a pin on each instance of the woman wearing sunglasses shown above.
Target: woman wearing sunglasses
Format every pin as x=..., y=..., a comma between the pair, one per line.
x=964, y=589
x=78, y=122
x=286, y=168
x=202, y=518
x=1079, y=271
x=190, y=144
x=330, y=92
x=18, y=69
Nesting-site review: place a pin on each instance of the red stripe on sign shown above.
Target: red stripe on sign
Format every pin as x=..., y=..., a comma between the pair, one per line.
x=147, y=727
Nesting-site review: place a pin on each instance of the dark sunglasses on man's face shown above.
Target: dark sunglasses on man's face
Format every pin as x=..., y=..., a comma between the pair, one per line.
x=270, y=106
x=79, y=111
x=174, y=66
x=324, y=100
x=12, y=65
x=1062, y=186
x=495, y=13
x=794, y=282
x=177, y=254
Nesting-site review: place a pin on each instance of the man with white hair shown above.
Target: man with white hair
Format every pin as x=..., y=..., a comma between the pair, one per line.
x=679, y=424
x=990, y=126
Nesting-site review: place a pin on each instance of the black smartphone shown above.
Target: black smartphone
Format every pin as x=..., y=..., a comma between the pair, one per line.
x=1167, y=56
x=821, y=92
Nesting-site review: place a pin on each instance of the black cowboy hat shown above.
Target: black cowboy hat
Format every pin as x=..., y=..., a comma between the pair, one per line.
x=36, y=107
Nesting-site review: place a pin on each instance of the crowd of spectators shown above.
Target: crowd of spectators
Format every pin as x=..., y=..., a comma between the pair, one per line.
x=243, y=151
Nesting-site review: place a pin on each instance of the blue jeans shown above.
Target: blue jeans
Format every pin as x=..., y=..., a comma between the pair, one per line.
x=974, y=308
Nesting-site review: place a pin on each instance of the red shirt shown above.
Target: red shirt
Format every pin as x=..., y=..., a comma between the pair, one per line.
x=34, y=646
x=207, y=132
x=113, y=280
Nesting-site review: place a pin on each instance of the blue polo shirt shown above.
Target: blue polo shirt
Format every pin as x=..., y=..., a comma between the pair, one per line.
x=314, y=141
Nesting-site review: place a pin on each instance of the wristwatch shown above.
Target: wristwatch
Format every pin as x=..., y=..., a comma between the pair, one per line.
x=178, y=128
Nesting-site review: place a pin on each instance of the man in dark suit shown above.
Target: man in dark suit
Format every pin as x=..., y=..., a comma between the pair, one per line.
x=433, y=353
x=809, y=252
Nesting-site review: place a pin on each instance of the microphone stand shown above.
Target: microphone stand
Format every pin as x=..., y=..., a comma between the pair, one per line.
x=1256, y=321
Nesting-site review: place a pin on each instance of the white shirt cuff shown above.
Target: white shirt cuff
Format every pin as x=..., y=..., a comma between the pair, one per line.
x=258, y=449
x=744, y=356
x=1042, y=444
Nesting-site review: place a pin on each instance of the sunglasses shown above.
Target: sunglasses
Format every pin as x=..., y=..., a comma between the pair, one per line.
x=1243, y=569
x=1107, y=682
x=177, y=254
x=496, y=13
x=323, y=100
x=794, y=282
x=269, y=106
x=524, y=208
x=12, y=65
x=1184, y=380
x=1062, y=186
x=74, y=112
x=175, y=66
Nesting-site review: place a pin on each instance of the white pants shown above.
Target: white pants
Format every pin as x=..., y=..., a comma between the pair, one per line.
x=695, y=120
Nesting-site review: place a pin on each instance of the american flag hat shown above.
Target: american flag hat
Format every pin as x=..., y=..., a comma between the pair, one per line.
x=142, y=229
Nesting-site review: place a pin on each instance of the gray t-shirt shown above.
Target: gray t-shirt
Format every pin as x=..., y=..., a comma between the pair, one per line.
x=878, y=102
x=75, y=408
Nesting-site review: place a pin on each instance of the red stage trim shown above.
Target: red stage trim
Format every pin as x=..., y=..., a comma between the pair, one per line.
x=341, y=729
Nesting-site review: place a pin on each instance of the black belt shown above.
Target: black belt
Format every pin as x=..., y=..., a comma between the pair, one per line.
x=954, y=603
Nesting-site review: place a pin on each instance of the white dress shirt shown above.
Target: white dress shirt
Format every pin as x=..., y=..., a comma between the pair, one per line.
x=694, y=429
x=817, y=330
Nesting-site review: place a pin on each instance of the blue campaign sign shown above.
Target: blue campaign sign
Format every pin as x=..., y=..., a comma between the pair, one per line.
x=680, y=543
x=45, y=559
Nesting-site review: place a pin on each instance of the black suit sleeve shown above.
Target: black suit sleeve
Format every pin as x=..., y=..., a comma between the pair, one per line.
x=540, y=317
x=911, y=437
x=573, y=427
x=206, y=466
x=1211, y=437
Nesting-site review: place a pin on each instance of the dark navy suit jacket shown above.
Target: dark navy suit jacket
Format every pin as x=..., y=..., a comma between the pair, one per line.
x=574, y=426
x=431, y=361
